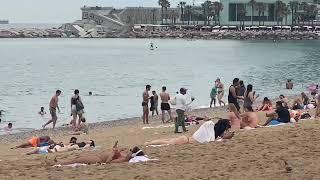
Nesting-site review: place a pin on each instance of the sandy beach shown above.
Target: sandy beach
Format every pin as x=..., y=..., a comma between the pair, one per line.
x=251, y=154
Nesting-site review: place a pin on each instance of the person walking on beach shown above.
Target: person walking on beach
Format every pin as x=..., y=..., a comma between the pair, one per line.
x=154, y=103
x=213, y=95
x=220, y=88
x=145, y=101
x=53, y=106
x=165, y=106
x=76, y=108
x=181, y=107
x=233, y=97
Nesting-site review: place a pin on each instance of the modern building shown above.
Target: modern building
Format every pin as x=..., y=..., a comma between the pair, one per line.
x=239, y=12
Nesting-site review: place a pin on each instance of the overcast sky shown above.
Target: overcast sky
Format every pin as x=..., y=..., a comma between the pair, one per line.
x=60, y=11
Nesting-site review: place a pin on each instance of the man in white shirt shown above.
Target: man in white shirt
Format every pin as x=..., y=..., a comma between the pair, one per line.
x=181, y=107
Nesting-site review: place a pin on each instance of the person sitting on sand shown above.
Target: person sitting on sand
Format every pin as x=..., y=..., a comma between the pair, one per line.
x=295, y=116
x=301, y=102
x=284, y=101
x=249, y=119
x=116, y=156
x=207, y=132
x=82, y=128
x=280, y=115
x=289, y=84
x=234, y=117
x=36, y=142
x=42, y=112
x=266, y=105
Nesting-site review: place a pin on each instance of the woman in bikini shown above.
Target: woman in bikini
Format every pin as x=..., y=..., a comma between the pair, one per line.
x=207, y=132
x=266, y=105
x=220, y=88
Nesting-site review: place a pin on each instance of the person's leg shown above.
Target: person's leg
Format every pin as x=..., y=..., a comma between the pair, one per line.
x=147, y=115
x=170, y=115
x=183, y=122
x=54, y=121
x=145, y=110
x=211, y=102
x=214, y=102
x=50, y=121
x=157, y=110
x=158, y=142
x=23, y=145
x=80, y=117
x=162, y=115
x=153, y=112
x=176, y=123
x=35, y=151
x=237, y=106
x=83, y=159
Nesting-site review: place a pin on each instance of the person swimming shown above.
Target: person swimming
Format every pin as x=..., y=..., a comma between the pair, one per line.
x=9, y=127
x=42, y=112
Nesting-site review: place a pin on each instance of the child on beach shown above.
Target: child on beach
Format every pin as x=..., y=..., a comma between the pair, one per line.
x=8, y=128
x=82, y=128
x=213, y=95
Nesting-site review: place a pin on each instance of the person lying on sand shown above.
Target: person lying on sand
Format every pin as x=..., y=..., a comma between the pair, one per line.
x=280, y=115
x=234, y=117
x=54, y=148
x=73, y=142
x=36, y=142
x=207, y=132
x=116, y=156
x=249, y=118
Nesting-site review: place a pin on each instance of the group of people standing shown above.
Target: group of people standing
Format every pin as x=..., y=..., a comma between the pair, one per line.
x=77, y=109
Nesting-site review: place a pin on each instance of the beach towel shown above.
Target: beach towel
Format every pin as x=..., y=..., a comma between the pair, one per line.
x=139, y=159
x=75, y=165
x=160, y=145
x=205, y=133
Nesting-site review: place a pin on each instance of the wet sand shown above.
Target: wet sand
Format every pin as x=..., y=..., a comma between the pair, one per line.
x=254, y=154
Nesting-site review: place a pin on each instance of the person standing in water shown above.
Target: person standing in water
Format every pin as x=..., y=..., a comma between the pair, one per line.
x=220, y=88
x=145, y=101
x=76, y=107
x=213, y=95
x=289, y=84
x=233, y=97
x=154, y=103
x=53, y=106
x=165, y=106
x=42, y=112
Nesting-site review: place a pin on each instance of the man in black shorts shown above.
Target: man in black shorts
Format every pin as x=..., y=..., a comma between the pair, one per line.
x=165, y=106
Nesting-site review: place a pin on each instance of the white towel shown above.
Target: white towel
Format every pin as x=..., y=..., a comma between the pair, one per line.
x=138, y=159
x=205, y=133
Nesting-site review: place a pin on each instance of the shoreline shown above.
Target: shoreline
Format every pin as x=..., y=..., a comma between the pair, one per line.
x=98, y=126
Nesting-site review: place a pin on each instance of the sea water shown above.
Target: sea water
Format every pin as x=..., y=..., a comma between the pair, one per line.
x=117, y=70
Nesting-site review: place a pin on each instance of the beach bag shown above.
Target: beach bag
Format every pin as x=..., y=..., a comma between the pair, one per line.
x=79, y=105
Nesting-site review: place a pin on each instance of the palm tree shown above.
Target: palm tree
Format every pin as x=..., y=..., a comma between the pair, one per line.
x=252, y=3
x=206, y=7
x=286, y=12
x=261, y=8
x=167, y=5
x=242, y=13
x=304, y=6
x=162, y=3
x=181, y=5
x=293, y=7
x=188, y=12
x=312, y=13
x=217, y=8
x=280, y=8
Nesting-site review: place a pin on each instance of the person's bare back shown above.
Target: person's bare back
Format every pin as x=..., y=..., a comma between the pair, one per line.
x=165, y=97
x=249, y=119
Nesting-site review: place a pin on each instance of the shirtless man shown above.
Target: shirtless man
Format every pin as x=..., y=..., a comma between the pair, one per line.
x=249, y=118
x=165, y=106
x=145, y=101
x=53, y=105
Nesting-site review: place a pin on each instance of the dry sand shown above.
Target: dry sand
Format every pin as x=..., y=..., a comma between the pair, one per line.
x=254, y=154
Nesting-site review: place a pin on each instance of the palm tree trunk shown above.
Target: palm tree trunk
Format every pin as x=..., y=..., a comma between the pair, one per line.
x=161, y=14
x=166, y=15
